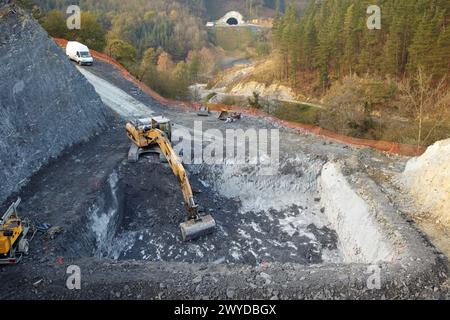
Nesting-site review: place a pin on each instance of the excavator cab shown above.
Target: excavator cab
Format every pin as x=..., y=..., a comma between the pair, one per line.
x=164, y=125
x=137, y=132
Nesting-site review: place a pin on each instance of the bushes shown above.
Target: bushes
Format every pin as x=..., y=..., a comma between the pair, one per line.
x=171, y=81
x=254, y=103
x=91, y=33
x=122, y=51
x=298, y=113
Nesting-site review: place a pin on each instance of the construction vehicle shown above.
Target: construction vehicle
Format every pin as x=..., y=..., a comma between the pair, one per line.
x=148, y=134
x=136, y=131
x=226, y=115
x=14, y=232
x=203, y=111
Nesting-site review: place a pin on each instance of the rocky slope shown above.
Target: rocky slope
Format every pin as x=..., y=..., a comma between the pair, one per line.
x=45, y=103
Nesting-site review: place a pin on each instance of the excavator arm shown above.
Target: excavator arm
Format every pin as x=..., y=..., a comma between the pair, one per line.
x=158, y=137
x=150, y=133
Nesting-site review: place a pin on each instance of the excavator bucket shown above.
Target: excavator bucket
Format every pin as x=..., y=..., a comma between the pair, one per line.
x=196, y=228
x=203, y=113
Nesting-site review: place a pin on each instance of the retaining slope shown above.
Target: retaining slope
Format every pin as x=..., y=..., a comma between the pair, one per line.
x=46, y=105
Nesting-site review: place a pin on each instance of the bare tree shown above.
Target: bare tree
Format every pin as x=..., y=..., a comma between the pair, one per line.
x=426, y=100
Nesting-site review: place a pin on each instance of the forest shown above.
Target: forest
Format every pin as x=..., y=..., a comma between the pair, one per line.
x=332, y=38
x=374, y=82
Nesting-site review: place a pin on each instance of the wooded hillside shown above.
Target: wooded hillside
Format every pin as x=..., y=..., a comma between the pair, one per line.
x=332, y=39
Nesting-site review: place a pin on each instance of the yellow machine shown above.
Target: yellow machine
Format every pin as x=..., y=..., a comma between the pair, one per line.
x=146, y=134
x=226, y=115
x=13, y=236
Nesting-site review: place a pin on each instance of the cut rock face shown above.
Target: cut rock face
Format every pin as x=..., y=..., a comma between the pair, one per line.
x=361, y=238
x=41, y=109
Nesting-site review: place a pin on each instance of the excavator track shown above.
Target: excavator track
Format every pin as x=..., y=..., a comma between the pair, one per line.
x=133, y=153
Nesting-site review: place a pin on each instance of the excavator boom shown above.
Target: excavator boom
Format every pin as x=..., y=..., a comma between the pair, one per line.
x=157, y=136
x=150, y=134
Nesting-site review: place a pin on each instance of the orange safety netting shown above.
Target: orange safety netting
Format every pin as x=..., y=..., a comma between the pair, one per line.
x=386, y=146
x=104, y=57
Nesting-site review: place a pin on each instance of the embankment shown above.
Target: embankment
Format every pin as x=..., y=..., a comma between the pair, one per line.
x=46, y=105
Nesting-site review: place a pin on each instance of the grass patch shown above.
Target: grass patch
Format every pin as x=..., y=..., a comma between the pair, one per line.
x=406, y=132
x=297, y=112
x=385, y=128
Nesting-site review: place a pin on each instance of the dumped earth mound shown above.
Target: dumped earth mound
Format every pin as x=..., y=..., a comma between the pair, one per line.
x=139, y=218
x=41, y=108
x=428, y=179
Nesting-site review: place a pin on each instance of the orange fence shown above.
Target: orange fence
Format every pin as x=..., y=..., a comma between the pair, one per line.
x=386, y=146
x=126, y=74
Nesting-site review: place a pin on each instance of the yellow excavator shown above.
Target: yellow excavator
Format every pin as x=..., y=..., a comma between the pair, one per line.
x=13, y=236
x=147, y=135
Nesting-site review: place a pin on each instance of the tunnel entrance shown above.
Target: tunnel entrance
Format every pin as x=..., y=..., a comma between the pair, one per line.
x=232, y=22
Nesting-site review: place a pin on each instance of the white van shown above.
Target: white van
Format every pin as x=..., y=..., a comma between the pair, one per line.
x=79, y=53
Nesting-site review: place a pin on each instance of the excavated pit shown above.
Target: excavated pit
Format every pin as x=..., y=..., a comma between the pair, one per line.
x=275, y=218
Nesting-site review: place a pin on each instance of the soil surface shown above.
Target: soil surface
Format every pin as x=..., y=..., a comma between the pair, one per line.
x=119, y=222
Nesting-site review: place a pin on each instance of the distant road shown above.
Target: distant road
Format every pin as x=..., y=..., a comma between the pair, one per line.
x=231, y=62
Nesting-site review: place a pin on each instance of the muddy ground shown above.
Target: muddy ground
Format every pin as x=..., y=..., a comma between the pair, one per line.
x=119, y=221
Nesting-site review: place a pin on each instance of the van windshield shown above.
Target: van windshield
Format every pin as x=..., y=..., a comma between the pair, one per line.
x=85, y=54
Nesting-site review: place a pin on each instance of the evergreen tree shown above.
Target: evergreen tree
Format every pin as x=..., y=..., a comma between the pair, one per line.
x=332, y=39
x=424, y=41
x=441, y=64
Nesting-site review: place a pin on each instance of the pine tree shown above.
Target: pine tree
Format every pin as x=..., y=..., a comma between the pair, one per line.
x=441, y=64
x=424, y=40
x=332, y=39
x=349, y=39
x=391, y=55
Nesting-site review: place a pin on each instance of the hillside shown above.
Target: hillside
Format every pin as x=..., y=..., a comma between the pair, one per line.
x=41, y=109
x=389, y=84
x=322, y=51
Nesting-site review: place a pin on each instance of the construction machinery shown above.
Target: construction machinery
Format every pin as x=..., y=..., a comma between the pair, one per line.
x=137, y=131
x=148, y=134
x=203, y=111
x=226, y=115
x=15, y=234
